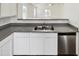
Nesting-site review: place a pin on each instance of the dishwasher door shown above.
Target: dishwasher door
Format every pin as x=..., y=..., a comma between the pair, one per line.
x=67, y=44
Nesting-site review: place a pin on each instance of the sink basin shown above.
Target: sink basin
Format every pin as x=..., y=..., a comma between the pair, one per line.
x=44, y=28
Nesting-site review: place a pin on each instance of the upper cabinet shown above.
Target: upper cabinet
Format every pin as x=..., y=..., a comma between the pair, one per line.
x=8, y=9
x=40, y=10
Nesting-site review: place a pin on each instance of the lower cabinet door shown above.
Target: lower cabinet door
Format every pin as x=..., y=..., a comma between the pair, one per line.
x=50, y=46
x=36, y=46
x=21, y=46
x=6, y=49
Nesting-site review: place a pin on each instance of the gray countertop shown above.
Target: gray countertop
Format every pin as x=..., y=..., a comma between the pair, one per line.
x=57, y=27
x=7, y=29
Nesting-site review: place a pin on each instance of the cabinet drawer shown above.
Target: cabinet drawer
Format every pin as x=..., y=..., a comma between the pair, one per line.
x=21, y=35
x=38, y=35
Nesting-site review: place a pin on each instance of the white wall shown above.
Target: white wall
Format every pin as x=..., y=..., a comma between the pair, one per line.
x=8, y=9
x=71, y=11
x=57, y=11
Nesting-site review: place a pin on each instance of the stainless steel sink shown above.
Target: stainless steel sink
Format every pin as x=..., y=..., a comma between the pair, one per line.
x=44, y=28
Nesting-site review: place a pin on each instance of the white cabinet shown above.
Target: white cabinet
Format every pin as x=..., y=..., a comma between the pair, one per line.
x=42, y=35
x=20, y=35
x=35, y=43
x=7, y=49
x=50, y=46
x=21, y=43
x=43, y=43
x=36, y=46
x=6, y=46
x=20, y=46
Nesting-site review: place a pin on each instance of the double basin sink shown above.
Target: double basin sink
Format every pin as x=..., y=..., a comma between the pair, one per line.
x=43, y=28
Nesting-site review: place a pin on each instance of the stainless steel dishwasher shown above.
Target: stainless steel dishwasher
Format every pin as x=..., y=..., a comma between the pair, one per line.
x=67, y=44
